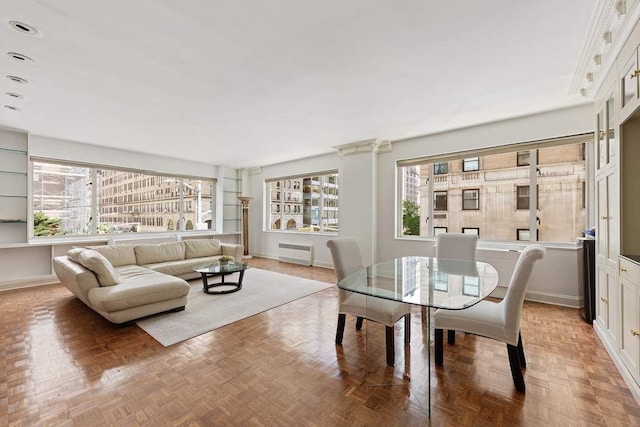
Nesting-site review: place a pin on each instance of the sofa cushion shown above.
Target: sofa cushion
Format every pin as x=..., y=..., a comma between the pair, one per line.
x=74, y=253
x=163, y=252
x=100, y=265
x=180, y=268
x=199, y=248
x=140, y=286
x=118, y=255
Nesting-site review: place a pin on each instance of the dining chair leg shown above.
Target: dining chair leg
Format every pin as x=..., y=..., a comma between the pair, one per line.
x=451, y=336
x=342, y=319
x=523, y=361
x=391, y=355
x=407, y=329
x=516, y=370
x=359, y=323
x=439, y=347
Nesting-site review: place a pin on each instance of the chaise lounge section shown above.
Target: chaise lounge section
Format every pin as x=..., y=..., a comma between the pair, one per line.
x=127, y=282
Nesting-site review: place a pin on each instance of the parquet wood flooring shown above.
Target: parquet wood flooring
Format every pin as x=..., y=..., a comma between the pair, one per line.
x=63, y=364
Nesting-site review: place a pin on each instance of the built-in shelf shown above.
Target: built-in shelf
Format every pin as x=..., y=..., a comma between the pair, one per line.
x=12, y=221
x=13, y=150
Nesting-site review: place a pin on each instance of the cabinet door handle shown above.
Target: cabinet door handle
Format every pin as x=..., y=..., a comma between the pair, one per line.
x=635, y=74
x=603, y=299
x=623, y=270
x=604, y=217
x=635, y=333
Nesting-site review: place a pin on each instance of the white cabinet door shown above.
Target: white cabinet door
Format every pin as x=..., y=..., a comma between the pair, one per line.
x=630, y=315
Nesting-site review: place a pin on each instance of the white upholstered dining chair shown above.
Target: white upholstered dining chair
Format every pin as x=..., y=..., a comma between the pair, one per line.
x=347, y=259
x=500, y=321
x=455, y=246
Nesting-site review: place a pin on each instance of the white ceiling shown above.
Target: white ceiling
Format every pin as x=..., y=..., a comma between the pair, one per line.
x=251, y=83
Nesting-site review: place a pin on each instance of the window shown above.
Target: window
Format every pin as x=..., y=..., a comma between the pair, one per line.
x=471, y=230
x=505, y=192
x=523, y=234
x=63, y=201
x=471, y=286
x=306, y=203
x=440, y=168
x=439, y=200
x=470, y=199
x=524, y=158
x=439, y=230
x=471, y=164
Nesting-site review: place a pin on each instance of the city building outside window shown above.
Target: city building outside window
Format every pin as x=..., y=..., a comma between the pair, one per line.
x=74, y=199
x=308, y=203
x=496, y=197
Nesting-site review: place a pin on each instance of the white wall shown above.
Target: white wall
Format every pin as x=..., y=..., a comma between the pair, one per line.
x=51, y=148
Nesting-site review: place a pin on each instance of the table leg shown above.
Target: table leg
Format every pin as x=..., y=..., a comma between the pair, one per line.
x=429, y=359
x=205, y=282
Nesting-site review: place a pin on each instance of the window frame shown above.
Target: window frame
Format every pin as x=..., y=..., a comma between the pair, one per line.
x=446, y=200
x=125, y=201
x=467, y=161
x=477, y=199
x=430, y=183
x=477, y=230
x=438, y=165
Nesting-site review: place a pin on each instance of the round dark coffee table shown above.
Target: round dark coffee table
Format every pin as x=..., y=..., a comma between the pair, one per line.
x=217, y=269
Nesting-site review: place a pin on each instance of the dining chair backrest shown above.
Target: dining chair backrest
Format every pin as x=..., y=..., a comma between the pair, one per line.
x=517, y=289
x=457, y=246
x=346, y=256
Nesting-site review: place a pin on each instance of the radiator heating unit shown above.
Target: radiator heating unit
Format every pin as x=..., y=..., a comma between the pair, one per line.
x=295, y=253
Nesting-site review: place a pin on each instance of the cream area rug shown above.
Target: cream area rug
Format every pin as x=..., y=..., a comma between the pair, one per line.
x=261, y=290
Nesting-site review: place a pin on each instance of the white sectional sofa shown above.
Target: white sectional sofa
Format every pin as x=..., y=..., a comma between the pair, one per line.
x=126, y=282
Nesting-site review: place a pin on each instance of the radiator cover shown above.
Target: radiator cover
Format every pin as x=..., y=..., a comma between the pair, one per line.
x=295, y=253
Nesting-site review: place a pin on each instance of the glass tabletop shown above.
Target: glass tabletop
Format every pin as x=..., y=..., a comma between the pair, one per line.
x=426, y=281
x=217, y=268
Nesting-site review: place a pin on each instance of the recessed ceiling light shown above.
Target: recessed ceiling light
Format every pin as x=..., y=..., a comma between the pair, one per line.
x=24, y=28
x=19, y=57
x=14, y=95
x=11, y=107
x=18, y=79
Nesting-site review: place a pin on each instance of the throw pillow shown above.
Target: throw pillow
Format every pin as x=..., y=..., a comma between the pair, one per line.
x=74, y=253
x=101, y=266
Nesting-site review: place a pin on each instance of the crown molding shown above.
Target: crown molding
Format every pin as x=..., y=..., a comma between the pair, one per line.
x=610, y=27
x=373, y=145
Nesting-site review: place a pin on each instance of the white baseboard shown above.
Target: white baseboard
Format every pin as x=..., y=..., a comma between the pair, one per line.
x=544, y=297
x=276, y=258
x=615, y=356
x=28, y=282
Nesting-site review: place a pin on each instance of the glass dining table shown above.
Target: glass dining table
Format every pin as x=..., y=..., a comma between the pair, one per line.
x=428, y=282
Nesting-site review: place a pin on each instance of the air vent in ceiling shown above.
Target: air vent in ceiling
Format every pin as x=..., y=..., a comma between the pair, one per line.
x=19, y=57
x=24, y=28
x=11, y=107
x=18, y=79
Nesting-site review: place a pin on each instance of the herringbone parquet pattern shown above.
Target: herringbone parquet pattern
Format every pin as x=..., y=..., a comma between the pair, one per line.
x=62, y=364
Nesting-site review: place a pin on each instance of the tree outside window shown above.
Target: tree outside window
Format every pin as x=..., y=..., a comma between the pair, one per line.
x=410, y=218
